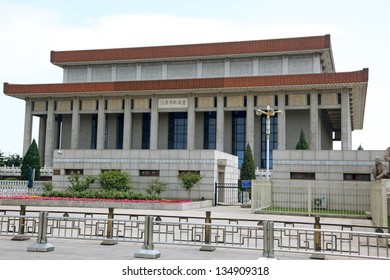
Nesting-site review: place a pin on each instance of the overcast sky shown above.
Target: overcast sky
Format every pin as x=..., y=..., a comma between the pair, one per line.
x=30, y=29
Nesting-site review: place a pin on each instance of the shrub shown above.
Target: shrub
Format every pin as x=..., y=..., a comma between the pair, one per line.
x=156, y=187
x=302, y=144
x=115, y=180
x=48, y=187
x=79, y=182
x=188, y=180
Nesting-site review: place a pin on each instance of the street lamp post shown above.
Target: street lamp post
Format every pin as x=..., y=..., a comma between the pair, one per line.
x=268, y=113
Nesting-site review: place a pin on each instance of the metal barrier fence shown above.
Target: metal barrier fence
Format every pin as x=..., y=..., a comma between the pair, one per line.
x=305, y=196
x=229, y=194
x=268, y=236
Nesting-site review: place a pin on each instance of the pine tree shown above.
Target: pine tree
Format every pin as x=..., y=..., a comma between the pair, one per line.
x=248, y=169
x=31, y=159
x=302, y=144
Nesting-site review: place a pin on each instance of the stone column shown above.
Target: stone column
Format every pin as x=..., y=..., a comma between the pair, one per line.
x=255, y=66
x=75, y=123
x=227, y=67
x=282, y=120
x=285, y=65
x=314, y=121
x=220, y=122
x=101, y=124
x=154, y=124
x=28, y=122
x=127, y=123
x=191, y=122
x=346, y=133
x=41, y=140
x=89, y=73
x=199, y=69
x=250, y=120
x=49, y=141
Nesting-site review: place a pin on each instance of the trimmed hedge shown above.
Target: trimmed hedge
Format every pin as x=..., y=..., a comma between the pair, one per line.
x=102, y=194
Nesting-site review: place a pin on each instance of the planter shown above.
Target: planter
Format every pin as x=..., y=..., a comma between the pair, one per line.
x=85, y=203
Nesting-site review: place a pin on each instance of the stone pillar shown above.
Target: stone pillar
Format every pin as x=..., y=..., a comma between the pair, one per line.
x=49, y=141
x=101, y=124
x=89, y=73
x=127, y=123
x=41, y=140
x=220, y=122
x=285, y=65
x=250, y=120
x=199, y=69
x=154, y=124
x=191, y=122
x=227, y=67
x=139, y=71
x=113, y=73
x=282, y=120
x=314, y=121
x=164, y=71
x=75, y=123
x=255, y=66
x=316, y=63
x=346, y=133
x=28, y=122
x=65, y=74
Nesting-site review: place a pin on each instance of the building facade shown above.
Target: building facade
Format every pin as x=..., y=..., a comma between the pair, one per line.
x=182, y=102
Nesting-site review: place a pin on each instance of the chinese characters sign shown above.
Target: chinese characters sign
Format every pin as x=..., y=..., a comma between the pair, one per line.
x=171, y=103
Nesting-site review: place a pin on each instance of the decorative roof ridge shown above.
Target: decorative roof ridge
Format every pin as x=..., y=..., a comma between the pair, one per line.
x=360, y=76
x=193, y=50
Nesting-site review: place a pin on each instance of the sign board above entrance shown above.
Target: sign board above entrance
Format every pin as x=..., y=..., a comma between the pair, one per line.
x=172, y=103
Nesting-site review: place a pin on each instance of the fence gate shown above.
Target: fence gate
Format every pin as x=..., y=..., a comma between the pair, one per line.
x=230, y=194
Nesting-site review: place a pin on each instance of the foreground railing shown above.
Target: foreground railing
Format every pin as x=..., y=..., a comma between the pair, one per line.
x=10, y=188
x=268, y=237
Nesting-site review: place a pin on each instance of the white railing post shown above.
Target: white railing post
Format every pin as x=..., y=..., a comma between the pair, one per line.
x=147, y=251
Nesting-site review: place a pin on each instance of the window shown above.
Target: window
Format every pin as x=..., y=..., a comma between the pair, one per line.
x=239, y=135
x=357, y=177
x=119, y=131
x=149, y=173
x=177, y=133
x=94, y=131
x=273, y=140
x=74, y=172
x=303, y=175
x=210, y=130
x=146, y=131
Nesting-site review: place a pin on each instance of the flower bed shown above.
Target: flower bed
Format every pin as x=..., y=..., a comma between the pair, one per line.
x=163, y=204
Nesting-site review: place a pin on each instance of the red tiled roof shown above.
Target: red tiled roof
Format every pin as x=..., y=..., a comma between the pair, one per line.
x=216, y=83
x=193, y=50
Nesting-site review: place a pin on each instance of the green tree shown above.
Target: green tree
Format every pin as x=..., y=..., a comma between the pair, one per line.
x=115, y=180
x=31, y=159
x=248, y=169
x=13, y=160
x=302, y=144
x=360, y=148
x=156, y=187
x=188, y=180
x=1, y=158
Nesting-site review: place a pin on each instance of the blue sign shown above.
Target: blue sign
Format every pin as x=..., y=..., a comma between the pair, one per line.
x=246, y=184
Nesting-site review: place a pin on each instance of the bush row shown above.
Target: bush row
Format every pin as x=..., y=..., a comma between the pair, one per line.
x=101, y=194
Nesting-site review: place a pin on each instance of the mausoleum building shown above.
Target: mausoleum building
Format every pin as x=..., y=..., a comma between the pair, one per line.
x=157, y=111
